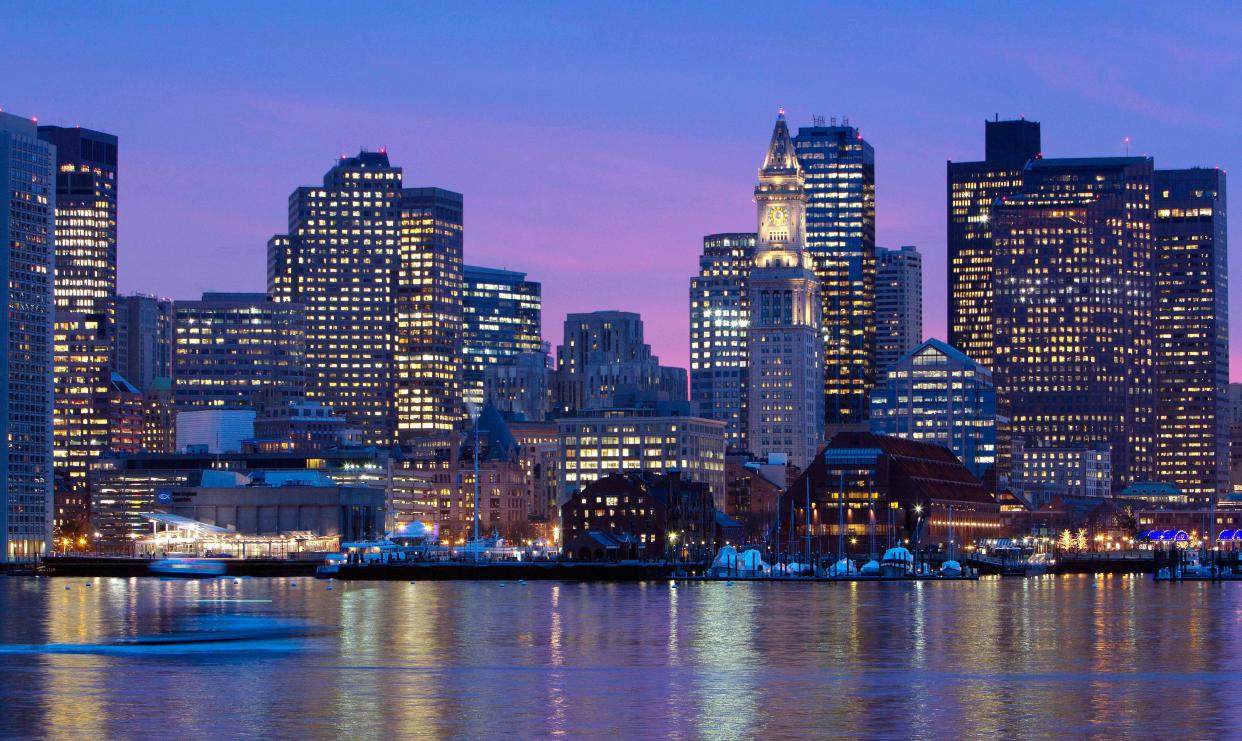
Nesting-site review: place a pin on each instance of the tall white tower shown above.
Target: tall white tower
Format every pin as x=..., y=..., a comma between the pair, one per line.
x=786, y=399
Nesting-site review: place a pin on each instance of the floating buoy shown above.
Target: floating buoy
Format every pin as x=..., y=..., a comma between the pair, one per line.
x=413, y=582
x=66, y=586
x=88, y=584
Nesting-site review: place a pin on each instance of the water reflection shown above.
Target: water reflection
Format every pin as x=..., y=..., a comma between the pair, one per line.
x=1074, y=656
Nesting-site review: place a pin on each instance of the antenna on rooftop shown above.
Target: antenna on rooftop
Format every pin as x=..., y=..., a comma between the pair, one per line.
x=817, y=120
x=834, y=120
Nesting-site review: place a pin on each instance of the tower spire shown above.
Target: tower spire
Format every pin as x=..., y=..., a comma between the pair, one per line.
x=780, y=159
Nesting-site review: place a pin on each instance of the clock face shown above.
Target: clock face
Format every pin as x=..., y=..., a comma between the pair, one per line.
x=778, y=215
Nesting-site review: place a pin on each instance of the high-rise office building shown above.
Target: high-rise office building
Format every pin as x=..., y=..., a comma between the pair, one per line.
x=143, y=339
x=86, y=207
x=935, y=394
x=719, y=318
x=340, y=260
x=603, y=362
x=82, y=378
x=1192, y=332
x=838, y=172
x=429, y=313
x=1073, y=309
x=518, y=386
x=786, y=349
x=973, y=188
x=230, y=347
x=27, y=262
x=501, y=314
x=898, y=305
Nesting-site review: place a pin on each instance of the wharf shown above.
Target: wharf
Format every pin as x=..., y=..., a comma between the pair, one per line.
x=821, y=579
x=507, y=571
x=99, y=566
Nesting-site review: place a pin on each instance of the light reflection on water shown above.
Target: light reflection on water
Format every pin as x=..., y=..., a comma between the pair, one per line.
x=1068, y=657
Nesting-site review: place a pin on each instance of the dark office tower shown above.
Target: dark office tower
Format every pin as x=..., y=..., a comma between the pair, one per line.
x=719, y=318
x=230, y=348
x=603, y=363
x=339, y=260
x=1073, y=357
x=972, y=189
x=143, y=339
x=86, y=196
x=1192, y=332
x=429, y=313
x=838, y=166
x=501, y=319
x=27, y=247
x=785, y=404
x=898, y=305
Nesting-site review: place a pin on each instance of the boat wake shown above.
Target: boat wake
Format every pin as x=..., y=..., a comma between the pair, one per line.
x=227, y=634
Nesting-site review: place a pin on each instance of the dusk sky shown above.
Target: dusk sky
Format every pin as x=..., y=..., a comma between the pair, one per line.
x=595, y=144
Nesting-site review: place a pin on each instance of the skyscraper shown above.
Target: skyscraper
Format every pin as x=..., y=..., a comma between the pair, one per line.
x=838, y=171
x=339, y=260
x=786, y=349
x=143, y=339
x=1192, y=332
x=82, y=378
x=501, y=313
x=973, y=188
x=231, y=347
x=935, y=394
x=1073, y=283
x=429, y=312
x=719, y=317
x=27, y=261
x=898, y=305
x=86, y=202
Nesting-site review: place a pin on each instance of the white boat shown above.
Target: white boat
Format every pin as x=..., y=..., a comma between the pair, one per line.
x=844, y=567
x=897, y=562
x=951, y=568
x=871, y=568
x=191, y=568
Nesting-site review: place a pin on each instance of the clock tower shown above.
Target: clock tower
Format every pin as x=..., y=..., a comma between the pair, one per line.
x=785, y=346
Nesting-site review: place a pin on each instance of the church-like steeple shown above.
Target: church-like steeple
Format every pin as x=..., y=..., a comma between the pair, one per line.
x=781, y=159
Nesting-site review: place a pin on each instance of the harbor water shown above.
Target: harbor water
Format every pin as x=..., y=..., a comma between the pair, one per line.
x=1065, y=657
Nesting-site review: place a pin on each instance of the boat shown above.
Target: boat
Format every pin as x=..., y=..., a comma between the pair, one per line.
x=191, y=568
x=871, y=568
x=844, y=567
x=331, y=565
x=897, y=561
x=951, y=568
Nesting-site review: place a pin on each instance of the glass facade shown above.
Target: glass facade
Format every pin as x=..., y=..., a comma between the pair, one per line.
x=838, y=170
x=501, y=313
x=719, y=322
x=935, y=394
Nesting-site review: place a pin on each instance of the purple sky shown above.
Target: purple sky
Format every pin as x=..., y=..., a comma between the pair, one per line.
x=595, y=144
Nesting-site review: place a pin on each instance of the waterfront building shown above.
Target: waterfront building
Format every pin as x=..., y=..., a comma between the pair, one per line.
x=228, y=347
x=603, y=362
x=1073, y=357
x=838, y=173
x=785, y=395
x=1076, y=471
x=719, y=327
x=27, y=260
x=86, y=206
x=214, y=429
x=339, y=259
x=518, y=386
x=429, y=313
x=143, y=339
x=898, y=305
x=538, y=448
x=935, y=394
x=621, y=440
x=126, y=487
x=973, y=188
x=1192, y=332
x=750, y=498
x=894, y=492
x=501, y=319
x=639, y=515
x=434, y=482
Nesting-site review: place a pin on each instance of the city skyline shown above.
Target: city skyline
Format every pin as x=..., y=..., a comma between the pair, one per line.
x=544, y=196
